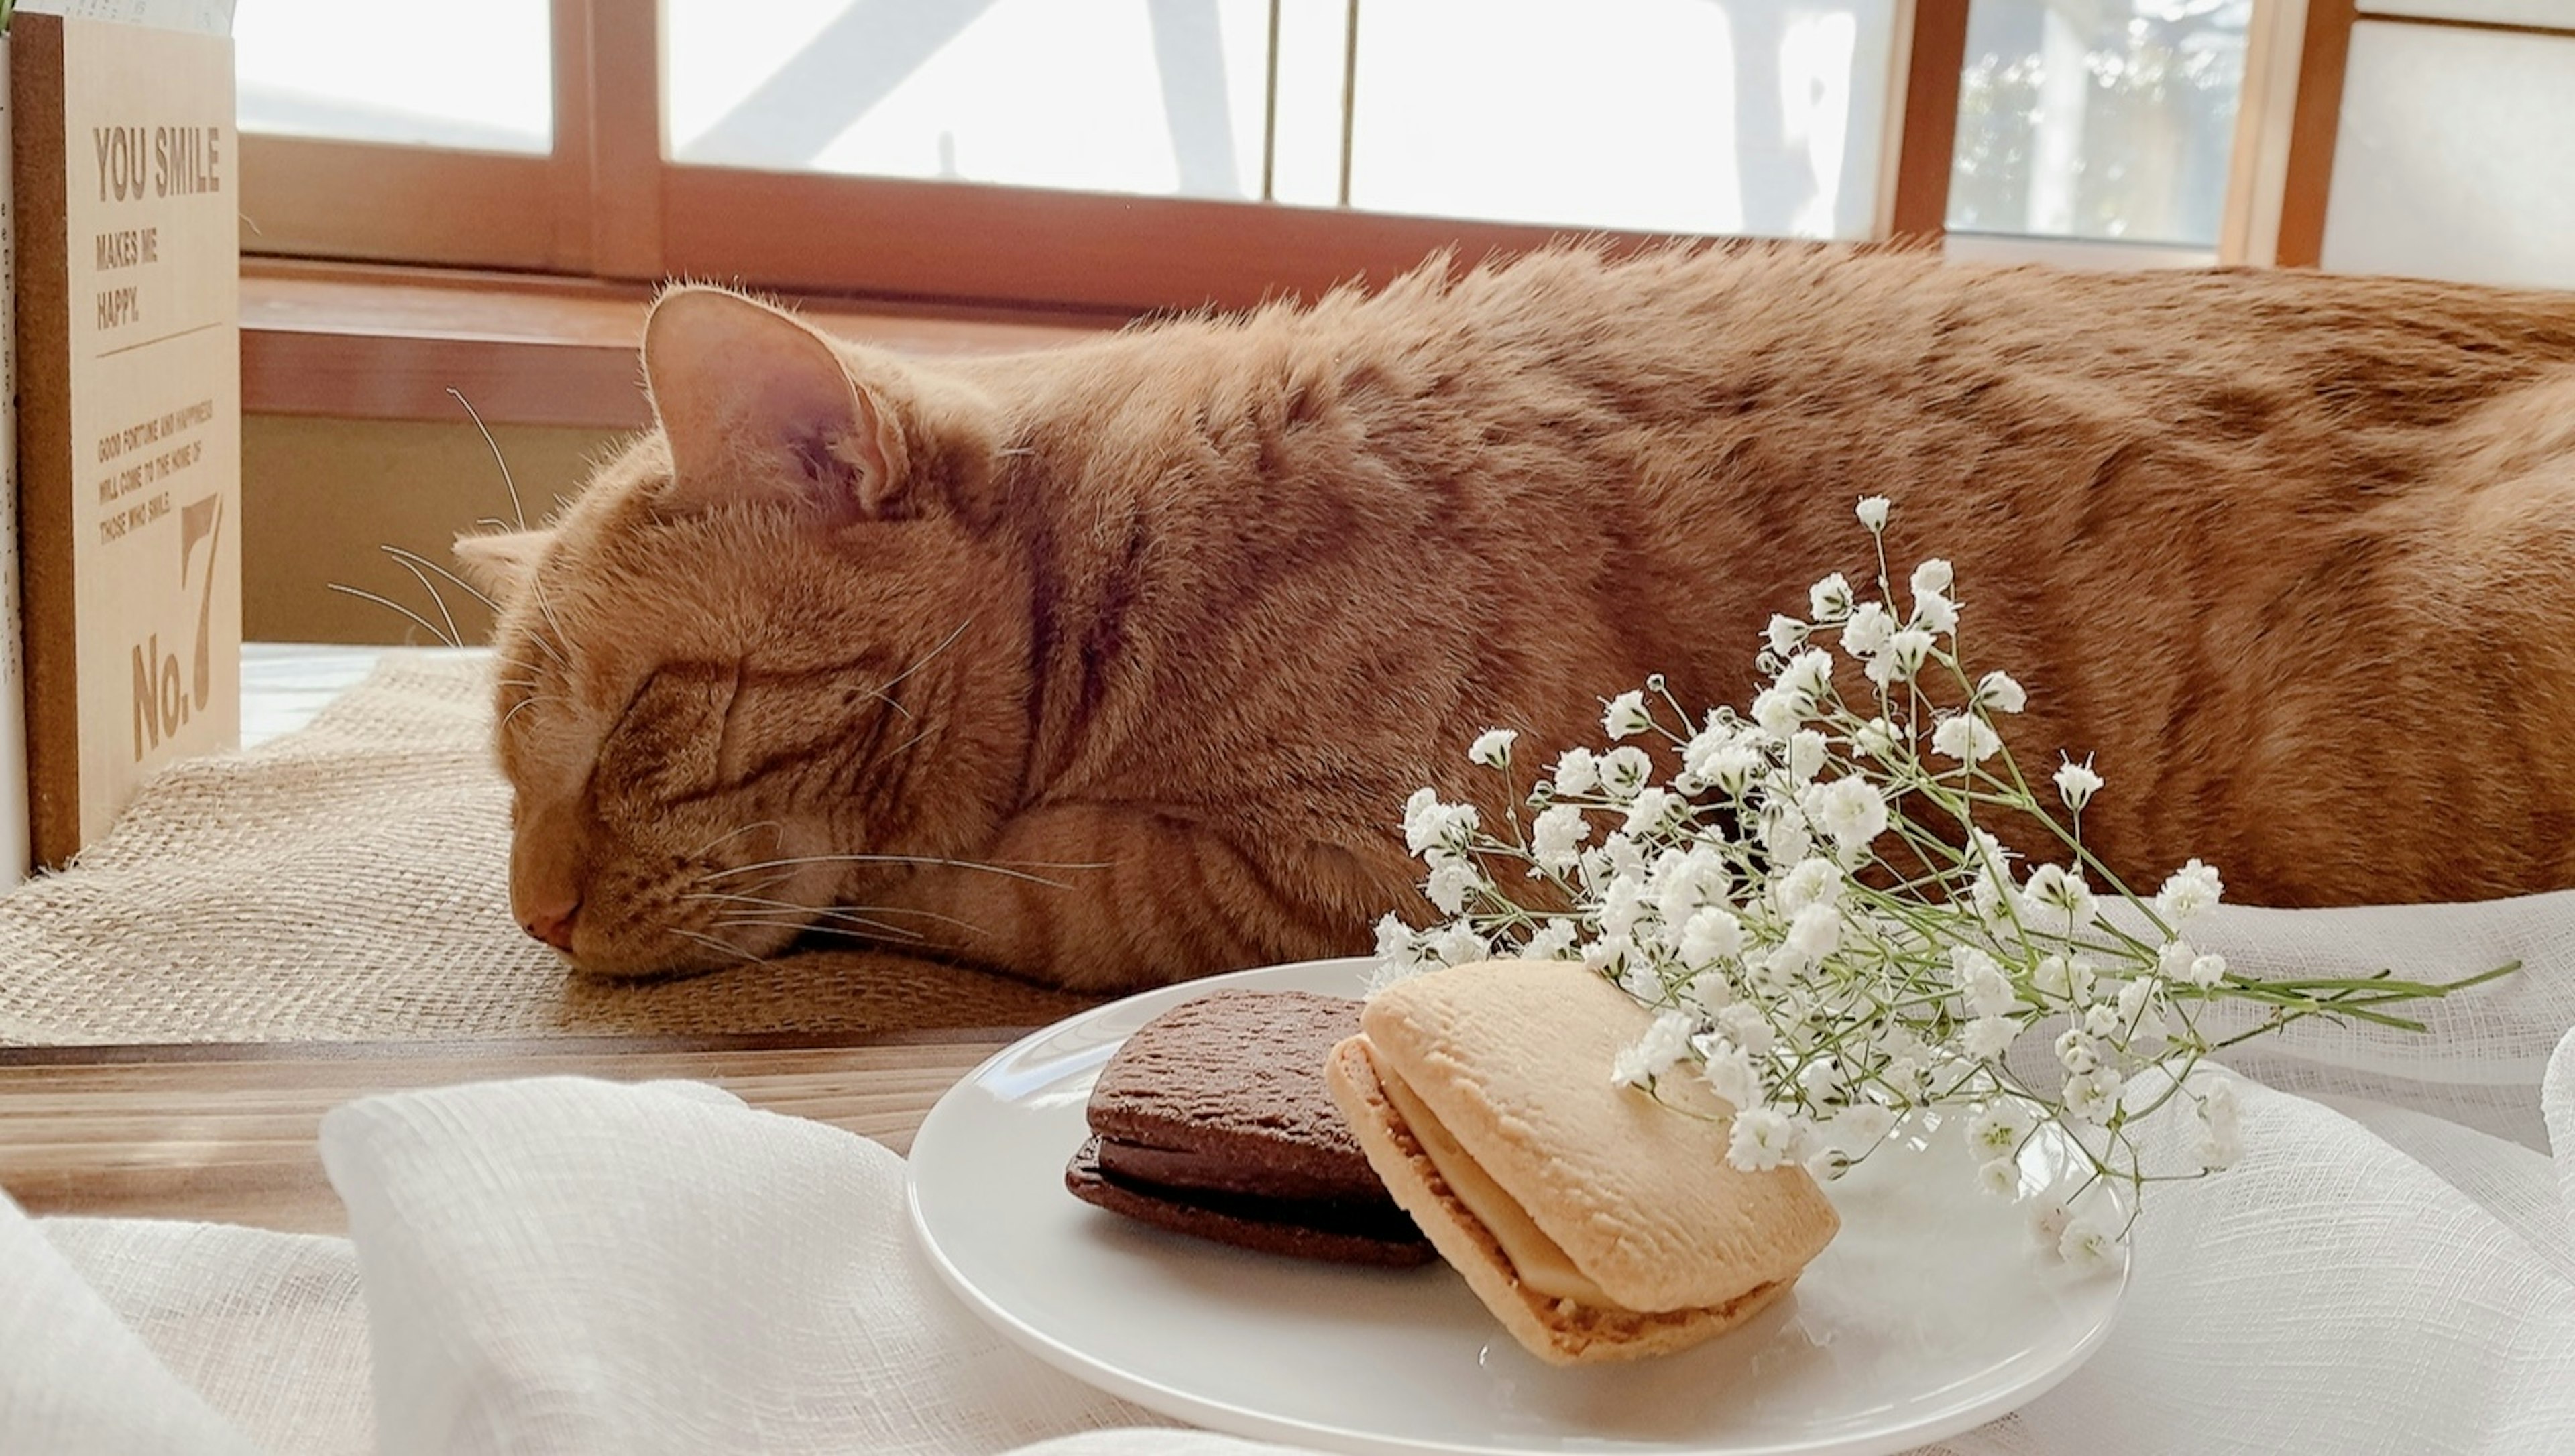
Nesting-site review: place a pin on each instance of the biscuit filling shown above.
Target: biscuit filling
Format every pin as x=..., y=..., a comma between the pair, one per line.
x=1540, y=1262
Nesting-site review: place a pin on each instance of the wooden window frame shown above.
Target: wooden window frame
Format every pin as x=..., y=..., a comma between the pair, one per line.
x=607, y=205
x=2324, y=57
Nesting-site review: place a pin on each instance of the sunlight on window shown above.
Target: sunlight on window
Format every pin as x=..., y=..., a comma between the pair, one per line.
x=1758, y=116
x=474, y=74
x=1142, y=96
x=2110, y=119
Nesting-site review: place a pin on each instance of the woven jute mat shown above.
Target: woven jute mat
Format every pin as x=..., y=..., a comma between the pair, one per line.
x=348, y=883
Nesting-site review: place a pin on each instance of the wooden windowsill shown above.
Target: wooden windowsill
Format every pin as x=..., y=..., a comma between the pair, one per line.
x=379, y=342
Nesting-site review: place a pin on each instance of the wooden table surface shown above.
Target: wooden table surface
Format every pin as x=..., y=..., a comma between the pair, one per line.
x=227, y=1133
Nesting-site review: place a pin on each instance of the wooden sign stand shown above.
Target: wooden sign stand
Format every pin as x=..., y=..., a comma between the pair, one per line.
x=129, y=426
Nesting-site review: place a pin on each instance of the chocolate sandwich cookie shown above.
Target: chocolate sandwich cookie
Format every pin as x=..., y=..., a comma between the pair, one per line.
x=1213, y=1121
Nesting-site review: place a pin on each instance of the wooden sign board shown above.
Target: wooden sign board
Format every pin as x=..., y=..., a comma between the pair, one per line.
x=127, y=179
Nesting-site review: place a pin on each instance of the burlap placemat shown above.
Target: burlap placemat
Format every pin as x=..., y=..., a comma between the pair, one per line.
x=348, y=883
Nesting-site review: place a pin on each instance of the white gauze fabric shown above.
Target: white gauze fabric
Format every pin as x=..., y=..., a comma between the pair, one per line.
x=578, y=1266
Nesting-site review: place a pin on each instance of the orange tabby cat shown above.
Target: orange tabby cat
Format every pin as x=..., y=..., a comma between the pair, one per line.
x=1114, y=665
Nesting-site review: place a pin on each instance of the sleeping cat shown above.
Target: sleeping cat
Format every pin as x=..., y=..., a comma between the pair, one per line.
x=1113, y=665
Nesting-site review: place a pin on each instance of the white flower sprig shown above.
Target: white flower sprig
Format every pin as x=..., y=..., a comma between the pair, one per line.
x=1809, y=899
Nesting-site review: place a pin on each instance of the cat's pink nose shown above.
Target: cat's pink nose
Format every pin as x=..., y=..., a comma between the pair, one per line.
x=552, y=925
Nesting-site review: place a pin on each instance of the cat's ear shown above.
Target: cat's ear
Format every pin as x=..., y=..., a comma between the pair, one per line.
x=759, y=407
x=500, y=564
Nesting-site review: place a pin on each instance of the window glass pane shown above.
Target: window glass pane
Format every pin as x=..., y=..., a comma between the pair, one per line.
x=1142, y=96
x=1760, y=116
x=2110, y=119
x=474, y=74
x=1743, y=116
x=2452, y=160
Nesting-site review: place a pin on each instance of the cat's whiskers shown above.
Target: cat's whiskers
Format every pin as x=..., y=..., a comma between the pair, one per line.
x=927, y=861
x=521, y=705
x=771, y=909
x=426, y=624
x=721, y=944
x=872, y=937
x=417, y=560
x=704, y=850
x=516, y=509
x=454, y=637
x=546, y=613
x=887, y=687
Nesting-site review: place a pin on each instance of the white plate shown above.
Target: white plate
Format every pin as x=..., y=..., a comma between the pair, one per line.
x=1930, y=1313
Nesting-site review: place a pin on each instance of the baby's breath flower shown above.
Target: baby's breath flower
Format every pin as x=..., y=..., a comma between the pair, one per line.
x=1395, y=942
x=2090, y=1096
x=1430, y=823
x=1989, y=1037
x=2076, y=783
x=2086, y=1245
x=2001, y=1177
x=1830, y=600
x=1650, y=809
x=1711, y=934
x=2058, y=901
x=1623, y=771
x=1551, y=941
x=1762, y=1139
x=1808, y=675
x=1812, y=883
x=1555, y=835
x=1784, y=835
x=1866, y=635
x=1903, y=657
x=1777, y=711
x=1966, y=738
x=1806, y=751
x=1460, y=945
x=1877, y=739
x=1638, y=979
x=1626, y=716
x=1749, y=1029
x=1815, y=933
x=2000, y=693
x=1987, y=990
x=1607, y=952
x=1852, y=811
x=1449, y=884
x=1823, y=991
x=1623, y=907
x=1685, y=880
x=1664, y=1043
x=2049, y=1217
x=2000, y=1130
x=2189, y=894
x=2076, y=1051
x=1728, y=1070
x=1711, y=992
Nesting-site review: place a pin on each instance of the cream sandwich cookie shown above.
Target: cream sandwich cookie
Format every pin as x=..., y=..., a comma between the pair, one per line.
x=1597, y=1222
